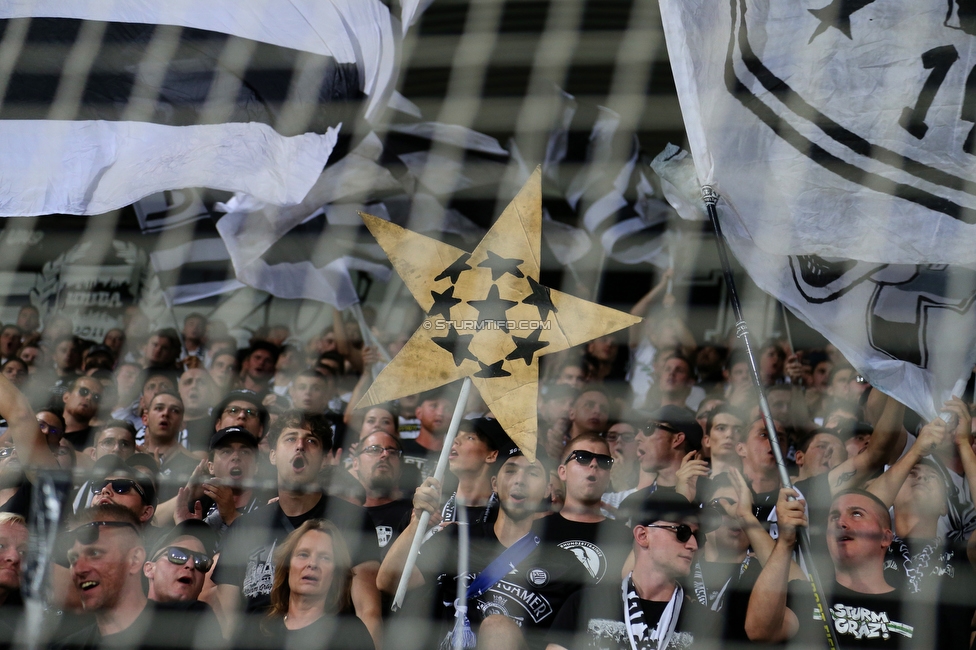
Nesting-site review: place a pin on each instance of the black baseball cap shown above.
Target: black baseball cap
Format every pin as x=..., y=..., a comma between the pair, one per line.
x=112, y=465
x=681, y=420
x=668, y=506
x=230, y=434
x=497, y=439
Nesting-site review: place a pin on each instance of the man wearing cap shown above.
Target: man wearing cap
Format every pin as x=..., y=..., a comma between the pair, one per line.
x=376, y=466
x=600, y=544
x=246, y=565
x=229, y=493
x=666, y=448
x=107, y=556
x=123, y=485
x=517, y=595
x=649, y=609
x=474, y=458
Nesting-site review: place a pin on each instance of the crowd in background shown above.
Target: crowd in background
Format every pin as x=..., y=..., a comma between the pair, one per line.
x=227, y=496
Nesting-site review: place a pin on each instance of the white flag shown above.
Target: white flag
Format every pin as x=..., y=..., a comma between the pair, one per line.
x=909, y=328
x=834, y=127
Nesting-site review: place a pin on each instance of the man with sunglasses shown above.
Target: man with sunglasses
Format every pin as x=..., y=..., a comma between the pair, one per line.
x=123, y=485
x=649, y=609
x=106, y=554
x=177, y=566
x=377, y=466
x=600, y=544
x=81, y=404
x=668, y=437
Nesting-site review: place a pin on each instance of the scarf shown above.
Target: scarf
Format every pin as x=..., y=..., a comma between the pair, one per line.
x=718, y=597
x=641, y=636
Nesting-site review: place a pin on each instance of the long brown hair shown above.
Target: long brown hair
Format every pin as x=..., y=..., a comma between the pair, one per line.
x=338, y=597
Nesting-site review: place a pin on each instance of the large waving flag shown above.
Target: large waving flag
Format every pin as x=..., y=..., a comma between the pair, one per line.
x=840, y=138
x=104, y=104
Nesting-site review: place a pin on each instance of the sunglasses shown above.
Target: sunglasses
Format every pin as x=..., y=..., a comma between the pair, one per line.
x=119, y=486
x=666, y=427
x=682, y=531
x=377, y=450
x=586, y=457
x=180, y=556
x=86, y=392
x=86, y=534
x=47, y=429
x=6, y=452
x=237, y=410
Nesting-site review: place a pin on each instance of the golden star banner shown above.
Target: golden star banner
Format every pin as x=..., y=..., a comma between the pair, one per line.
x=488, y=317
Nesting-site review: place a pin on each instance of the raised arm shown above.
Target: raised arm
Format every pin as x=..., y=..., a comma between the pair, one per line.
x=886, y=486
x=641, y=306
x=768, y=619
x=887, y=441
x=32, y=449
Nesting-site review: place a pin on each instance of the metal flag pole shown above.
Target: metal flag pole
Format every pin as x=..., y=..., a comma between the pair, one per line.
x=710, y=198
x=439, y=471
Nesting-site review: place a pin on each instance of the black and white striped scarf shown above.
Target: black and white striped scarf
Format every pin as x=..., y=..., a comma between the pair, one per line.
x=643, y=637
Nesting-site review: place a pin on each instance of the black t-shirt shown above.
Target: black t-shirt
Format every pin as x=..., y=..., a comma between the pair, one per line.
x=246, y=559
x=416, y=455
x=939, y=582
x=174, y=473
x=859, y=620
x=332, y=632
x=389, y=519
x=158, y=627
x=724, y=587
x=602, y=548
x=80, y=439
x=594, y=619
x=198, y=433
x=530, y=594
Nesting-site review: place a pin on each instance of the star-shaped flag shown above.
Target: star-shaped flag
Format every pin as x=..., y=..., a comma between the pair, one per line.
x=504, y=322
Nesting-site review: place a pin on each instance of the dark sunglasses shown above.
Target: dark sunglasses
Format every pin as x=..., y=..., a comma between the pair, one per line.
x=119, y=486
x=88, y=533
x=47, y=429
x=682, y=531
x=666, y=427
x=584, y=457
x=180, y=556
x=85, y=392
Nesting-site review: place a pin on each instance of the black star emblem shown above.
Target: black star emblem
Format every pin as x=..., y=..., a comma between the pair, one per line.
x=501, y=265
x=443, y=303
x=457, y=345
x=540, y=298
x=837, y=14
x=494, y=370
x=454, y=270
x=526, y=347
x=493, y=308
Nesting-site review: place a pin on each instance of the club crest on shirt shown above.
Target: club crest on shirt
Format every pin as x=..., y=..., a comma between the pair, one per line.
x=538, y=577
x=383, y=535
x=590, y=556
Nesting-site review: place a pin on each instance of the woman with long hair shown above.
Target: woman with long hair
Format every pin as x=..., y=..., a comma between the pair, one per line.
x=310, y=596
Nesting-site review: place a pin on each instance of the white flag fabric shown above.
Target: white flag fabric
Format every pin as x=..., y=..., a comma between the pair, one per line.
x=909, y=328
x=102, y=104
x=834, y=127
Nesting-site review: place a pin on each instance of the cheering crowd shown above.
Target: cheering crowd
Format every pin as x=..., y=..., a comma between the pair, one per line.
x=217, y=496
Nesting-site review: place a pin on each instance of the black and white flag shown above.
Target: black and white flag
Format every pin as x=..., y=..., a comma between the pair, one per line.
x=104, y=104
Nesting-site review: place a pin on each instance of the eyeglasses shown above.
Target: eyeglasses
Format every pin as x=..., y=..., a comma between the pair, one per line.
x=682, y=531
x=377, y=450
x=237, y=410
x=180, y=556
x=584, y=457
x=119, y=486
x=621, y=437
x=47, y=429
x=86, y=392
x=7, y=452
x=88, y=533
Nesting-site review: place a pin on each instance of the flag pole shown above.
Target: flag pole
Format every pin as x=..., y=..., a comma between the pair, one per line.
x=710, y=198
x=439, y=471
